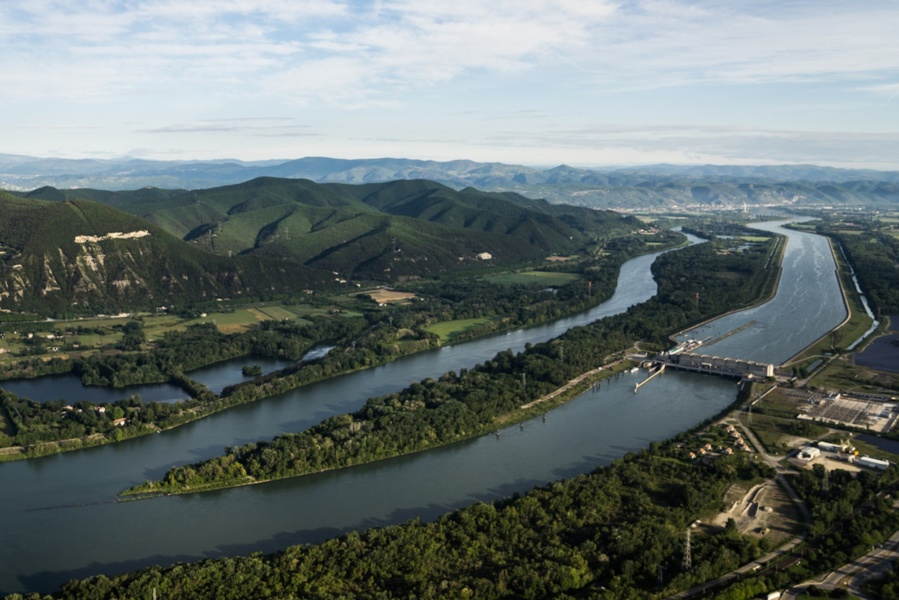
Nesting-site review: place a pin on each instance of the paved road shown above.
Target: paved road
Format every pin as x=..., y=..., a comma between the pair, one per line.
x=853, y=574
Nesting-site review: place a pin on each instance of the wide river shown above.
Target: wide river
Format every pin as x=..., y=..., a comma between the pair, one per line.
x=59, y=518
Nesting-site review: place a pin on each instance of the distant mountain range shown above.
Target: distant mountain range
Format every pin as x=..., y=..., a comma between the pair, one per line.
x=149, y=247
x=662, y=186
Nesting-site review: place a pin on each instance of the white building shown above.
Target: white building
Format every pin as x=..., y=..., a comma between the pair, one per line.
x=809, y=453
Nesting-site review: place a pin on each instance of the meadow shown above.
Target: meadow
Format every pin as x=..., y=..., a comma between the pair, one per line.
x=547, y=278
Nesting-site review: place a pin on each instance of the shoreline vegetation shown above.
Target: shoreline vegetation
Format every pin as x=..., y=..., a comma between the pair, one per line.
x=477, y=401
x=360, y=343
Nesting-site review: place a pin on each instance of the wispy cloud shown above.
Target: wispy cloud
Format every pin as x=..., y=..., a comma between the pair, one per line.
x=333, y=50
x=466, y=70
x=251, y=125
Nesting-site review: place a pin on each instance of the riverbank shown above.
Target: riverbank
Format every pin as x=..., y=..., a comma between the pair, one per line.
x=768, y=291
x=353, y=356
x=433, y=413
x=856, y=323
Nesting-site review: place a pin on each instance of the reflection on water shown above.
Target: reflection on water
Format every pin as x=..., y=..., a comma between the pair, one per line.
x=216, y=377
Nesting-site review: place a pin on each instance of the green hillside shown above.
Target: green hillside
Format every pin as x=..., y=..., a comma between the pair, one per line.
x=385, y=231
x=76, y=255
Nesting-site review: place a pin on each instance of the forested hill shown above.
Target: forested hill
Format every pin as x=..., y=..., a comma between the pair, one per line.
x=383, y=231
x=80, y=256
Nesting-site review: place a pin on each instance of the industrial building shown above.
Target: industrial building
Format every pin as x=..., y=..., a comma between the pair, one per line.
x=872, y=463
x=809, y=453
x=722, y=365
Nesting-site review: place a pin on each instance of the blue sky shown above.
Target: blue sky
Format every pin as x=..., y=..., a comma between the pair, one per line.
x=580, y=82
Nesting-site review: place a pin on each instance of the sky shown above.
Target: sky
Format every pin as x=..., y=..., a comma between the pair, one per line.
x=588, y=83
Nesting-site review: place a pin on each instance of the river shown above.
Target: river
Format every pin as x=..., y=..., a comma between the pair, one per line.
x=60, y=519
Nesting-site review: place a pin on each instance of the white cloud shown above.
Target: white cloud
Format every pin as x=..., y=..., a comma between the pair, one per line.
x=398, y=44
x=431, y=67
x=243, y=124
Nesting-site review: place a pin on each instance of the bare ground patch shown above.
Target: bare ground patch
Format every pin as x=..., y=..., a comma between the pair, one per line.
x=387, y=296
x=764, y=510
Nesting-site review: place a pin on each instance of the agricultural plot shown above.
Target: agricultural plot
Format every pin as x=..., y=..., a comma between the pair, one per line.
x=279, y=313
x=446, y=330
x=841, y=374
x=559, y=258
x=383, y=296
x=772, y=432
x=547, y=278
x=90, y=341
x=245, y=318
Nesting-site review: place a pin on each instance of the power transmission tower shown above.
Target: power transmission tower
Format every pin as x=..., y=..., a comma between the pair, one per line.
x=688, y=555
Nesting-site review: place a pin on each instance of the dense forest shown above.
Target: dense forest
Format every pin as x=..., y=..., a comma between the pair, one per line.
x=874, y=256
x=376, y=231
x=474, y=401
x=886, y=587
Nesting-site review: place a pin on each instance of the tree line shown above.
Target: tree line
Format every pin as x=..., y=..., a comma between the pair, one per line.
x=874, y=256
x=473, y=401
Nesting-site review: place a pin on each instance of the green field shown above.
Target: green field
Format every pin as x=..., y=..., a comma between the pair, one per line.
x=547, y=278
x=278, y=313
x=769, y=431
x=108, y=334
x=449, y=329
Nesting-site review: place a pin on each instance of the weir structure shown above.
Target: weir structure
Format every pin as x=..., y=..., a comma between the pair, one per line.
x=704, y=363
x=718, y=365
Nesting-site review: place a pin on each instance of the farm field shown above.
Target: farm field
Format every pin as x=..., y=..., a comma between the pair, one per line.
x=385, y=296
x=446, y=330
x=841, y=374
x=97, y=333
x=548, y=278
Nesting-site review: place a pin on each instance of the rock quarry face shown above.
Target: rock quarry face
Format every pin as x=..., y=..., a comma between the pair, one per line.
x=99, y=265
